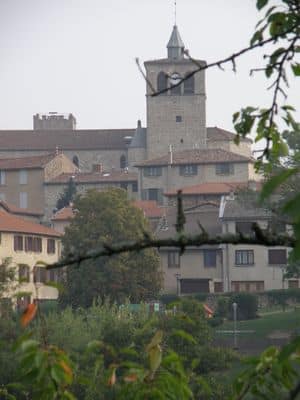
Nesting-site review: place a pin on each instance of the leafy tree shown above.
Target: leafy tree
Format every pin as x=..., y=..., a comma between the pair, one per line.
x=103, y=218
x=68, y=195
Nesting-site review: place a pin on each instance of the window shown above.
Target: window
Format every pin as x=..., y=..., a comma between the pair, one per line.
x=244, y=227
x=18, y=243
x=188, y=169
x=210, y=258
x=23, y=177
x=173, y=259
x=244, y=257
x=224, y=169
x=135, y=187
x=178, y=118
x=76, y=161
x=123, y=161
x=152, y=171
x=152, y=194
x=162, y=81
x=247, y=286
x=293, y=284
x=2, y=177
x=124, y=185
x=23, y=200
x=189, y=85
x=277, y=257
x=40, y=275
x=50, y=246
x=33, y=244
x=24, y=273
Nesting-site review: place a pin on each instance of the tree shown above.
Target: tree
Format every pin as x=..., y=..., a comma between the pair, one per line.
x=68, y=195
x=106, y=217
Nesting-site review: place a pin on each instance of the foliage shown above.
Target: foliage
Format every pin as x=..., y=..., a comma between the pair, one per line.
x=68, y=196
x=104, y=217
x=272, y=375
x=247, y=305
x=283, y=297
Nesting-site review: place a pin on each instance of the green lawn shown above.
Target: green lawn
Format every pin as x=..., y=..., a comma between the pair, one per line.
x=287, y=321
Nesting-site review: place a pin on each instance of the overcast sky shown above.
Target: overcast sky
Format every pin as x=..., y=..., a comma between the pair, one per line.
x=78, y=56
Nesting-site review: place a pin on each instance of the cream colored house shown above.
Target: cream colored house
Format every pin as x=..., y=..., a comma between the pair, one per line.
x=252, y=268
x=192, y=167
x=28, y=246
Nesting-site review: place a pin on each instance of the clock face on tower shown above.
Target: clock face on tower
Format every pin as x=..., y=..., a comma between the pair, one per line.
x=175, y=78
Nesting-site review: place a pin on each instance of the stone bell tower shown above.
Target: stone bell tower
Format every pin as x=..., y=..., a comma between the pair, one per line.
x=177, y=116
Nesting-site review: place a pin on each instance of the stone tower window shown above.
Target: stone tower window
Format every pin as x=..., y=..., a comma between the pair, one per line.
x=76, y=161
x=162, y=81
x=123, y=162
x=189, y=85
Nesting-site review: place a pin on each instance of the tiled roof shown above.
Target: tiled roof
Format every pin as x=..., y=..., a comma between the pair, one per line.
x=237, y=209
x=64, y=214
x=13, y=224
x=10, y=208
x=215, y=133
x=197, y=156
x=150, y=208
x=210, y=188
x=44, y=140
x=95, y=177
x=25, y=162
x=208, y=217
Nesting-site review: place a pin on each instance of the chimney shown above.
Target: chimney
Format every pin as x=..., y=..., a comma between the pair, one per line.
x=98, y=168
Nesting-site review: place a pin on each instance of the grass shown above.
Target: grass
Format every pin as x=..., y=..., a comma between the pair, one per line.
x=268, y=323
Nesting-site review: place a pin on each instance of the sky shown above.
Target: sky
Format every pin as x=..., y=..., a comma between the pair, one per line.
x=78, y=56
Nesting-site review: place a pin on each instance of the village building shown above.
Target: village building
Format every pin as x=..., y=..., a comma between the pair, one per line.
x=27, y=247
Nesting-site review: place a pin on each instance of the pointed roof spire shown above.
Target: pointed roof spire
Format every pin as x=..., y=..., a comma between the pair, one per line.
x=175, y=45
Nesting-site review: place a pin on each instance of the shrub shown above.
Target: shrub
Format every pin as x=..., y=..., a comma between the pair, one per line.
x=247, y=305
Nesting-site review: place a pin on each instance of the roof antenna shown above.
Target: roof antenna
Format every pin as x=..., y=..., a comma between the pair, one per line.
x=175, y=16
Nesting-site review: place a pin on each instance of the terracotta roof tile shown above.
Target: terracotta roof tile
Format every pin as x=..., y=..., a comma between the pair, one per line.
x=150, y=208
x=95, y=177
x=12, y=209
x=25, y=162
x=44, y=140
x=65, y=214
x=215, y=134
x=197, y=156
x=13, y=224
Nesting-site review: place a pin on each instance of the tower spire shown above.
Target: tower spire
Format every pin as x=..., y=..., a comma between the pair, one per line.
x=175, y=45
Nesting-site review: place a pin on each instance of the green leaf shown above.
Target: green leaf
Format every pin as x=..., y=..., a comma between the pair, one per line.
x=274, y=182
x=296, y=69
x=261, y=3
x=155, y=356
x=58, y=374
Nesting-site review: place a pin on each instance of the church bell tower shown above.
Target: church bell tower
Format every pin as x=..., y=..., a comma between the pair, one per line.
x=177, y=116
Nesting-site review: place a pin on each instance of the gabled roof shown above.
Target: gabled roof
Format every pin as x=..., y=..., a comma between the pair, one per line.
x=10, y=208
x=95, y=177
x=150, y=208
x=26, y=162
x=196, y=156
x=64, y=214
x=216, y=134
x=11, y=223
x=235, y=209
x=48, y=140
x=209, y=188
x=207, y=217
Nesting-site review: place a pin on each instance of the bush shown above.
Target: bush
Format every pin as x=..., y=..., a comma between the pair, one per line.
x=283, y=297
x=247, y=305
